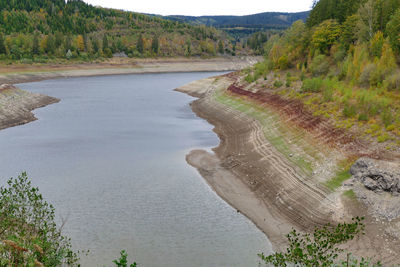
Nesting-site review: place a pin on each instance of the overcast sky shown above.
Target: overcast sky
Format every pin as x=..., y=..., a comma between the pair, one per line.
x=205, y=7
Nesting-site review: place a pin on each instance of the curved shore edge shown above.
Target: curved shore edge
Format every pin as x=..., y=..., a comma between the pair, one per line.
x=16, y=105
x=252, y=174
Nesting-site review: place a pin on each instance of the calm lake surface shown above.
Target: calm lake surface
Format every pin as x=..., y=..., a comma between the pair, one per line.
x=111, y=158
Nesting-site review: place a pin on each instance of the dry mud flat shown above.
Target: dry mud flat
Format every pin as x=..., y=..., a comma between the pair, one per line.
x=266, y=177
x=29, y=73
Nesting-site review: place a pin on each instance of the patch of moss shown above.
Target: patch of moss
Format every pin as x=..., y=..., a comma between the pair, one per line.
x=338, y=179
x=350, y=194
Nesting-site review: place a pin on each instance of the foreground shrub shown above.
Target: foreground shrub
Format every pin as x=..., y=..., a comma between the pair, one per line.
x=28, y=232
x=123, y=260
x=321, y=248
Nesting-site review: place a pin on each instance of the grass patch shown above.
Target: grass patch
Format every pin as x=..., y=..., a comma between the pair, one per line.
x=338, y=179
x=350, y=194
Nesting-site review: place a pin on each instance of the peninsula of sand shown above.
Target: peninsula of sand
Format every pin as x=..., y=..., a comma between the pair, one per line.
x=16, y=105
x=275, y=161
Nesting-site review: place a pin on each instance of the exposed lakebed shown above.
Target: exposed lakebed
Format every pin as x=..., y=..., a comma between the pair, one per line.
x=111, y=158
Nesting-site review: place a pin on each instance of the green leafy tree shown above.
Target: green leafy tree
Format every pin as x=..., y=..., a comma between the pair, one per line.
x=348, y=36
x=366, y=21
x=28, y=232
x=325, y=35
x=321, y=248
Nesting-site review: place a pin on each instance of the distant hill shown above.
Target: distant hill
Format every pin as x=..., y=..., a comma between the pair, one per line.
x=42, y=30
x=245, y=25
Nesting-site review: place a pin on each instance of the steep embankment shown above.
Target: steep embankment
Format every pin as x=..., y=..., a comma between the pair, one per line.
x=275, y=162
x=16, y=105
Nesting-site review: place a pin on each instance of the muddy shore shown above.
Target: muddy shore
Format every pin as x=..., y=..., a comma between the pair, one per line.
x=250, y=172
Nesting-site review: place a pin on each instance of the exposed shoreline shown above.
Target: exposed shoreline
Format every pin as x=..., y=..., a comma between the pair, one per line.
x=16, y=105
x=249, y=173
x=30, y=73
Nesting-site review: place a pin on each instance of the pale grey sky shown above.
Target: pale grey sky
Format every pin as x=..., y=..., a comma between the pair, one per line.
x=205, y=7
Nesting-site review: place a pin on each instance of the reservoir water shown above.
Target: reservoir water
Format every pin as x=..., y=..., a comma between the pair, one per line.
x=111, y=158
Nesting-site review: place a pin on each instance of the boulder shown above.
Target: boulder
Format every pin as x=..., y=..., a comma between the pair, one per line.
x=377, y=175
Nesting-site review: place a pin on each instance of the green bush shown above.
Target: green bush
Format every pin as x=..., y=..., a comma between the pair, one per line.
x=393, y=81
x=363, y=117
x=283, y=62
x=28, y=230
x=249, y=78
x=387, y=117
x=319, y=65
x=278, y=83
x=312, y=85
x=367, y=74
x=349, y=110
x=321, y=248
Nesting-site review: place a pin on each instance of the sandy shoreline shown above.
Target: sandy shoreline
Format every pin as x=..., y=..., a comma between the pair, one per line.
x=255, y=178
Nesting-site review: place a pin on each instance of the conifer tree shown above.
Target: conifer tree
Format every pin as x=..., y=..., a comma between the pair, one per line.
x=154, y=45
x=2, y=45
x=105, y=42
x=35, y=44
x=140, y=46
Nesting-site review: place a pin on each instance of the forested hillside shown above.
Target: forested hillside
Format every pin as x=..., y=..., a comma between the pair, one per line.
x=242, y=26
x=38, y=30
x=347, y=56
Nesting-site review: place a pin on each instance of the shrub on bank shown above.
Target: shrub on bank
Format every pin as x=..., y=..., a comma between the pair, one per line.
x=28, y=232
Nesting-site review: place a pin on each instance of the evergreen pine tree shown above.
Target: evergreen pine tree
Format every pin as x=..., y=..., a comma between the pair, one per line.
x=2, y=45
x=139, y=45
x=154, y=45
x=105, y=42
x=220, y=47
x=35, y=44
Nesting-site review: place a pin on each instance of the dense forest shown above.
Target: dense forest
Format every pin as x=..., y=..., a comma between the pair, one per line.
x=38, y=30
x=347, y=57
x=240, y=27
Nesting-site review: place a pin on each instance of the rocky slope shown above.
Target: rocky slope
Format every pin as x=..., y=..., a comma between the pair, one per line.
x=16, y=105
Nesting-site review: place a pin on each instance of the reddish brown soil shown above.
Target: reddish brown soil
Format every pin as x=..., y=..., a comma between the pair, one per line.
x=297, y=114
